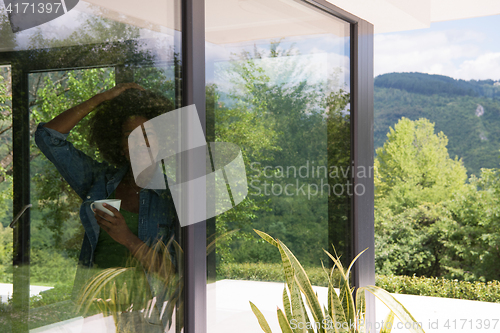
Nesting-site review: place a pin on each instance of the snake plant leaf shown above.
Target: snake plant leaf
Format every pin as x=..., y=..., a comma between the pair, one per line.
x=306, y=316
x=173, y=302
x=328, y=324
x=286, y=304
x=298, y=309
x=266, y=237
x=347, y=302
x=288, y=270
x=352, y=263
x=304, y=285
x=345, y=296
x=95, y=286
x=393, y=304
x=211, y=245
x=284, y=324
x=179, y=255
x=260, y=317
x=336, y=309
x=361, y=310
x=389, y=321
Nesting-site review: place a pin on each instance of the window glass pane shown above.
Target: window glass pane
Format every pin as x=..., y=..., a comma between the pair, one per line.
x=81, y=84
x=5, y=185
x=437, y=186
x=277, y=86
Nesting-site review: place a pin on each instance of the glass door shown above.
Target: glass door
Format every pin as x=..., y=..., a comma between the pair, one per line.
x=278, y=86
x=45, y=256
x=6, y=157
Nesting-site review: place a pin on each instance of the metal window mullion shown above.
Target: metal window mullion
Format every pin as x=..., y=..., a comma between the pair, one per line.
x=363, y=155
x=193, y=237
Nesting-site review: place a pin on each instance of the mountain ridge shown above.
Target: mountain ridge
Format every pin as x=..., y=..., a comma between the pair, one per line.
x=429, y=84
x=467, y=112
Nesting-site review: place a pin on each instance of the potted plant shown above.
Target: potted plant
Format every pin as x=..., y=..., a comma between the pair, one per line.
x=344, y=313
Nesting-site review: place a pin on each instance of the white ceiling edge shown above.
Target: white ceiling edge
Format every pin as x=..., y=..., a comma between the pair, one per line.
x=385, y=15
x=447, y=10
x=400, y=15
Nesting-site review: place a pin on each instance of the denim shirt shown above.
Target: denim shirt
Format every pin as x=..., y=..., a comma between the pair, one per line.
x=93, y=180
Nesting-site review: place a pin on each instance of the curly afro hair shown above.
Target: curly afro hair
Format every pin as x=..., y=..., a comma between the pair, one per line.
x=107, y=122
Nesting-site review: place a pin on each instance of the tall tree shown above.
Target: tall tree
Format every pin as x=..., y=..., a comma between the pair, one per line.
x=414, y=167
x=414, y=179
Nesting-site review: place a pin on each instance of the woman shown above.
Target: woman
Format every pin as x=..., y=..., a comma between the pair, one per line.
x=145, y=215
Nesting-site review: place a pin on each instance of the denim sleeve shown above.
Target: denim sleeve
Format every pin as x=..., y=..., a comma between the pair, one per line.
x=76, y=168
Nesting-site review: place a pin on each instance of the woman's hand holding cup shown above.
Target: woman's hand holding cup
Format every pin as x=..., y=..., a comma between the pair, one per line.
x=99, y=204
x=114, y=224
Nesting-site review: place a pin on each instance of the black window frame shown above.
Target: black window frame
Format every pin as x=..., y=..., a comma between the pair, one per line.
x=362, y=153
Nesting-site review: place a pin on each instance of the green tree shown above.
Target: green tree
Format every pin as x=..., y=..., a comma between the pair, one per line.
x=6, y=36
x=339, y=156
x=272, y=87
x=5, y=174
x=474, y=242
x=415, y=179
x=254, y=133
x=414, y=167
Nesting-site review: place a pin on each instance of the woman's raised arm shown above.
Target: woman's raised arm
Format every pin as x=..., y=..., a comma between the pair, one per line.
x=64, y=122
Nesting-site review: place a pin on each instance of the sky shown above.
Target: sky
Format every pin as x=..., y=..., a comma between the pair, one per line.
x=463, y=49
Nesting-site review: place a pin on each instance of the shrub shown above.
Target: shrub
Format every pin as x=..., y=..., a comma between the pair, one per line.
x=267, y=272
x=346, y=310
x=411, y=285
x=440, y=287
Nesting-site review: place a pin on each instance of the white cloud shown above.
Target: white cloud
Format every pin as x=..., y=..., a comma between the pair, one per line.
x=452, y=53
x=486, y=66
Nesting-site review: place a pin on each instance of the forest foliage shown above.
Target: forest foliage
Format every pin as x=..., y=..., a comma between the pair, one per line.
x=467, y=112
x=430, y=219
x=432, y=84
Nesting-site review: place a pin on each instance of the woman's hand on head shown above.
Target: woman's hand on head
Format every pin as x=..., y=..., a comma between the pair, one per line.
x=120, y=88
x=116, y=227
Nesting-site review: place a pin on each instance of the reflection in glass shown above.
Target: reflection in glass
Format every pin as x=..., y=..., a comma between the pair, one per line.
x=68, y=61
x=6, y=213
x=278, y=87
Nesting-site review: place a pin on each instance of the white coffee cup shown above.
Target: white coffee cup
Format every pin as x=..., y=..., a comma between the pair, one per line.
x=112, y=202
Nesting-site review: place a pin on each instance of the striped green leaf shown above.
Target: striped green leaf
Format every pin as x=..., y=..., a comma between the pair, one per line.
x=335, y=308
x=329, y=325
x=399, y=310
x=260, y=317
x=266, y=237
x=95, y=286
x=288, y=270
x=361, y=310
x=304, y=285
x=298, y=308
x=284, y=324
x=389, y=321
x=352, y=263
x=286, y=304
x=345, y=292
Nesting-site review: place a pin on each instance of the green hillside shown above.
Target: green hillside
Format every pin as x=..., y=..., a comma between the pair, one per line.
x=467, y=112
